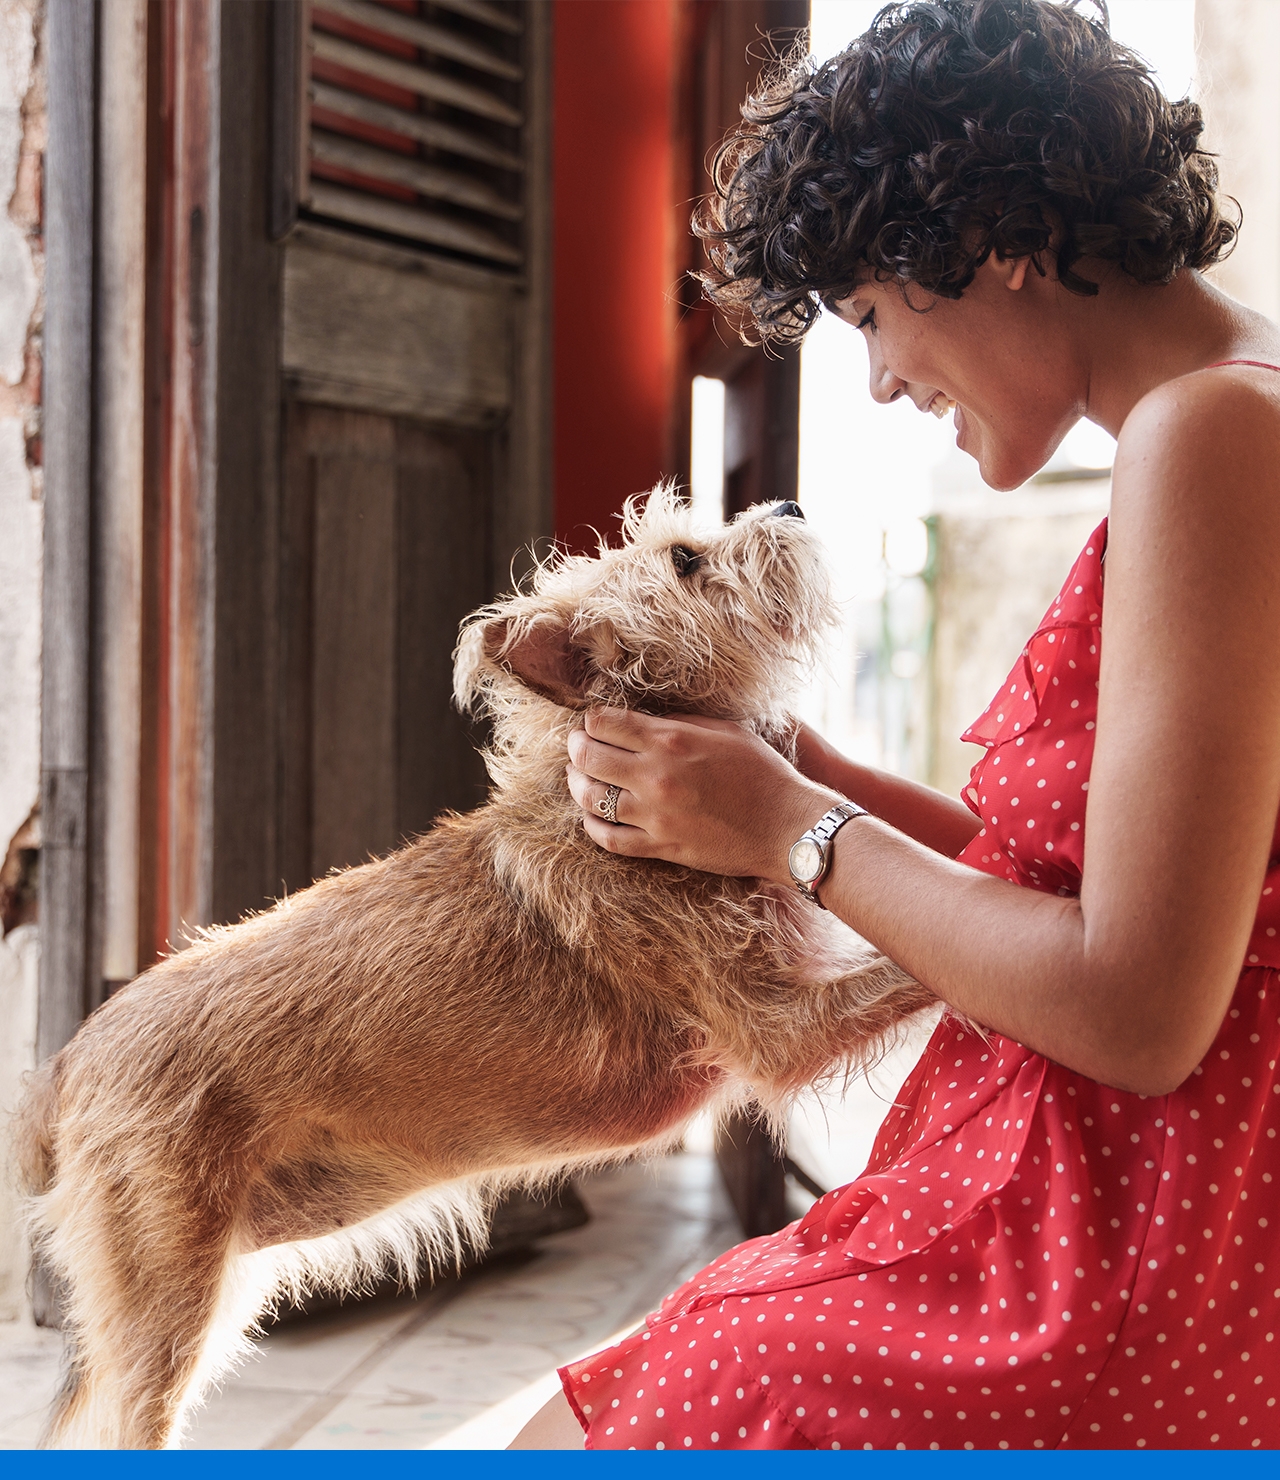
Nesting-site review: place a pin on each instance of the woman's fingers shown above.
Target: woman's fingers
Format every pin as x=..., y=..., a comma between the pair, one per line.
x=579, y=783
x=616, y=743
x=623, y=728
x=601, y=761
x=626, y=729
x=699, y=792
x=614, y=837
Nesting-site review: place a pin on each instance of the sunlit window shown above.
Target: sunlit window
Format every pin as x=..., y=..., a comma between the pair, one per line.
x=707, y=451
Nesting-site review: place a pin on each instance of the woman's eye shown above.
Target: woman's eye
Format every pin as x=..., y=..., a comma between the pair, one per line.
x=867, y=321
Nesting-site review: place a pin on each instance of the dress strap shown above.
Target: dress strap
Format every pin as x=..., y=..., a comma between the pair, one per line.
x=1258, y=364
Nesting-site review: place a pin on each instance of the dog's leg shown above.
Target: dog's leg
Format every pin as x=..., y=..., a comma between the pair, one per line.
x=827, y=1003
x=143, y=1293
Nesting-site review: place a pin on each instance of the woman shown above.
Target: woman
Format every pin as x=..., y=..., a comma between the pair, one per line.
x=1062, y=1238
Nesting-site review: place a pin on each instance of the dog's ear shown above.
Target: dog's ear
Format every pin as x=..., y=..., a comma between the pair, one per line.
x=543, y=656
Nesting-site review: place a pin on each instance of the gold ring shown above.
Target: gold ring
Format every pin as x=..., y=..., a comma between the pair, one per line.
x=608, y=804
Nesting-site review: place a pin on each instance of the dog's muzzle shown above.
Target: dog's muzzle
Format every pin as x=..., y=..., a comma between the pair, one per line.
x=787, y=510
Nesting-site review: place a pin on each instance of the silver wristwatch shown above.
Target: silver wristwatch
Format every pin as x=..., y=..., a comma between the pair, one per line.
x=810, y=856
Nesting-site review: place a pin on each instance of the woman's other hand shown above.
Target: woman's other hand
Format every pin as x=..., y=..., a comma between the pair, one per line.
x=940, y=822
x=704, y=793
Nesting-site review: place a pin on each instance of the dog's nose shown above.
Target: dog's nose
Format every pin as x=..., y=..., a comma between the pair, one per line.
x=788, y=510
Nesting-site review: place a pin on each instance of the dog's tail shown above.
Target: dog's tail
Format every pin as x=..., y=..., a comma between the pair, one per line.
x=32, y=1134
x=33, y=1127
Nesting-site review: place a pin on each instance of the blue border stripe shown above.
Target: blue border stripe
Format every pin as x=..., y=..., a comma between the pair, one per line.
x=489, y=1465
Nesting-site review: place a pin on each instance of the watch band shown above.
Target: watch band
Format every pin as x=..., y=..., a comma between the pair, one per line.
x=821, y=834
x=830, y=823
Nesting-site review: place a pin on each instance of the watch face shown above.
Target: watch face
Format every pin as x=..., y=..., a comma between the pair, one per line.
x=806, y=861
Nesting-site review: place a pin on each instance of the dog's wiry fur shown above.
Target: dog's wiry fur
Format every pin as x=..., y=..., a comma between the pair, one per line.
x=348, y=1078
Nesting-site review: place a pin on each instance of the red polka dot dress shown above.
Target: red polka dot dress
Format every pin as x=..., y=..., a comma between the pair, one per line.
x=1030, y=1260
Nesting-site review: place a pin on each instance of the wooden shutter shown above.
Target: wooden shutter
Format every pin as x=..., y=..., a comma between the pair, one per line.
x=412, y=123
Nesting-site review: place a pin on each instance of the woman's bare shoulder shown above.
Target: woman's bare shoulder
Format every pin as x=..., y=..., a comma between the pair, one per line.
x=1201, y=453
x=1206, y=411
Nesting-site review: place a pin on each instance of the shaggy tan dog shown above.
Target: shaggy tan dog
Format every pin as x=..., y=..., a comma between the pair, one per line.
x=351, y=1076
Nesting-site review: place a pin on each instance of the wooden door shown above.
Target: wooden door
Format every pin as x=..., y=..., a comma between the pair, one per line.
x=412, y=207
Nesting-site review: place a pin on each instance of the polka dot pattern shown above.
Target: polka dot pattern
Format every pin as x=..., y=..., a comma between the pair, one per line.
x=1030, y=1259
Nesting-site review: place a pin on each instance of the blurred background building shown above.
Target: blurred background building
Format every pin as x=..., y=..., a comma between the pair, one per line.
x=314, y=319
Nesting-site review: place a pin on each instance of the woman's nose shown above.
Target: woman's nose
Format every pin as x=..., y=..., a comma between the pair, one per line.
x=886, y=387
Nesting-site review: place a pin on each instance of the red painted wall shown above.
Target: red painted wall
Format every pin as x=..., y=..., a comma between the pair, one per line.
x=614, y=353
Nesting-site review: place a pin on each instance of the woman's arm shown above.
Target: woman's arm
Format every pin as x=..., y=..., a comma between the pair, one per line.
x=1129, y=983
x=940, y=822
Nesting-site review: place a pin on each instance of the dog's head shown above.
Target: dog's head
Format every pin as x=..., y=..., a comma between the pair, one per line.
x=723, y=622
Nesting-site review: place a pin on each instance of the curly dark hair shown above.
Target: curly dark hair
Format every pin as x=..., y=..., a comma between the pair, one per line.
x=950, y=130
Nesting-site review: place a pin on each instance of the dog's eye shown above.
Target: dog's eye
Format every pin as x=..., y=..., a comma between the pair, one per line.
x=685, y=560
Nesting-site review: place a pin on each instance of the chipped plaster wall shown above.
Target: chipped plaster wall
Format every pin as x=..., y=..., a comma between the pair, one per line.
x=22, y=142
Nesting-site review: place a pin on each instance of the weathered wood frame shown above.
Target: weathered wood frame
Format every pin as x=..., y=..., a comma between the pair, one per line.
x=71, y=41
x=290, y=23
x=118, y=488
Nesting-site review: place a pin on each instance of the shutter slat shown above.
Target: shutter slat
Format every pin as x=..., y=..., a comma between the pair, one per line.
x=410, y=221
x=422, y=33
x=426, y=179
x=427, y=84
x=489, y=15
x=419, y=126
x=383, y=159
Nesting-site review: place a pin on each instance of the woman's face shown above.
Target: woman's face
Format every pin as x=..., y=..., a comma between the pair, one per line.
x=1000, y=358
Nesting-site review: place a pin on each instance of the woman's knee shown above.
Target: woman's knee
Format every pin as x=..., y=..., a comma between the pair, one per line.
x=554, y=1426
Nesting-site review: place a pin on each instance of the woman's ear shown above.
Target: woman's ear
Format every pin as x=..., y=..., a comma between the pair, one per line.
x=542, y=655
x=1012, y=271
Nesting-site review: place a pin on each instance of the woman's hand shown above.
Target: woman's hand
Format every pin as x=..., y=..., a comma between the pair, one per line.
x=704, y=793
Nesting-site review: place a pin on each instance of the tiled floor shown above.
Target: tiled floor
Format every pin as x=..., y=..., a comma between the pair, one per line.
x=28, y=1379
x=466, y=1364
